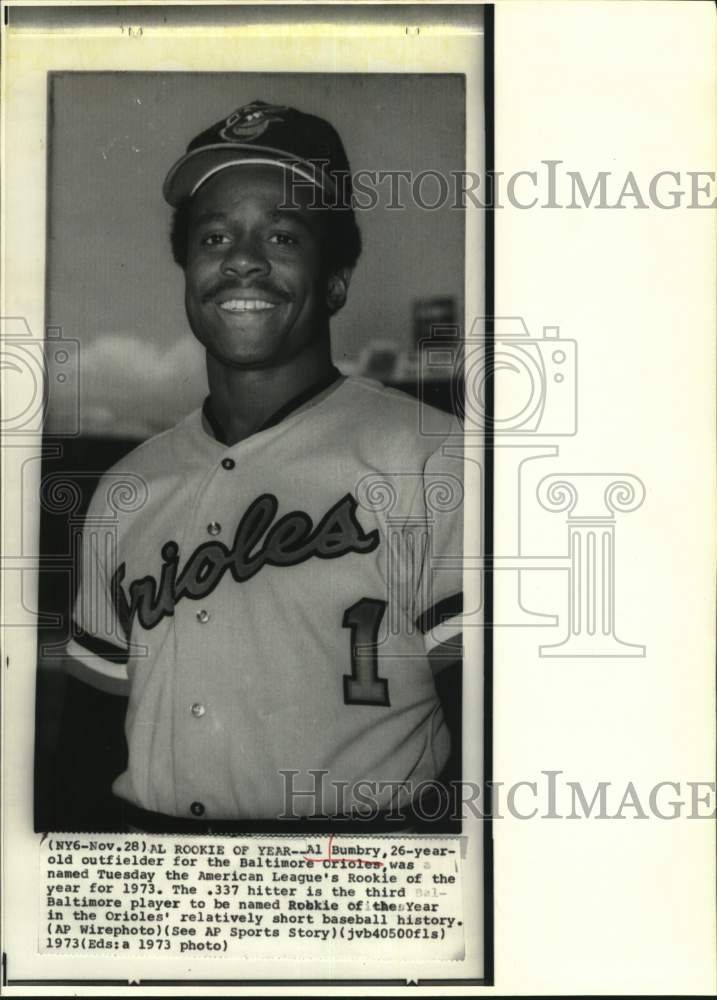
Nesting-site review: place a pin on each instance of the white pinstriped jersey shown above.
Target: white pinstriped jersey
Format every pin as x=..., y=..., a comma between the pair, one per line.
x=271, y=605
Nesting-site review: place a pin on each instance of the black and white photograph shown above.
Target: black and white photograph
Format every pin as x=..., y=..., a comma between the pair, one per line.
x=357, y=426
x=263, y=500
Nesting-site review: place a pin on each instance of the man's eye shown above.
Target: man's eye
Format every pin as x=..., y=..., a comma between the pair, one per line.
x=214, y=239
x=283, y=239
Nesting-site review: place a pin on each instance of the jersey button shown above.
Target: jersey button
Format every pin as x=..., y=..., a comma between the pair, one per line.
x=203, y=616
x=196, y=809
x=198, y=710
x=228, y=463
x=214, y=527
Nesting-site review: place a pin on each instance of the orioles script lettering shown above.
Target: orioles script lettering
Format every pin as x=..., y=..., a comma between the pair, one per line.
x=259, y=541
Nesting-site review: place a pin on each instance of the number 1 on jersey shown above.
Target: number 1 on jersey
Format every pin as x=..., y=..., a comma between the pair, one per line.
x=363, y=686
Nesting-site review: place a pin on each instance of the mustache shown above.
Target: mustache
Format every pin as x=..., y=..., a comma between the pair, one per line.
x=258, y=288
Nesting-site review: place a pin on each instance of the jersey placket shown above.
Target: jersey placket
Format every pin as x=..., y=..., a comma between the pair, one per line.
x=198, y=713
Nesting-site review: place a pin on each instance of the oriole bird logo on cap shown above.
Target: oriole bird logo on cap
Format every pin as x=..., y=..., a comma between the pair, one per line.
x=251, y=120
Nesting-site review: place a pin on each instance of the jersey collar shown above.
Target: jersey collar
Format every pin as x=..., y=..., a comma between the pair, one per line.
x=281, y=414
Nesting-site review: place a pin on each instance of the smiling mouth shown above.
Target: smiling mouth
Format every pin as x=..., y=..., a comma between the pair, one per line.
x=247, y=305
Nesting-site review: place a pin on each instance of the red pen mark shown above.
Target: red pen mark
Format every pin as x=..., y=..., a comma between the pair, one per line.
x=333, y=858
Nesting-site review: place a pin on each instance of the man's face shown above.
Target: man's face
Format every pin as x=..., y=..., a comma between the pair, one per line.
x=256, y=286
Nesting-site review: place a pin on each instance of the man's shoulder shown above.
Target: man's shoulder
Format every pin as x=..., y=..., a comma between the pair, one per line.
x=394, y=419
x=148, y=453
x=159, y=457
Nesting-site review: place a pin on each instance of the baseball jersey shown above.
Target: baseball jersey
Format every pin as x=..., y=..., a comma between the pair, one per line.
x=271, y=605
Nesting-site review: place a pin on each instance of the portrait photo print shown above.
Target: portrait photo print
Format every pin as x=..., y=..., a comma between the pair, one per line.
x=252, y=492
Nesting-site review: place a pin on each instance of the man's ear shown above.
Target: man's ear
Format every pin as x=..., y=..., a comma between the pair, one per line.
x=337, y=289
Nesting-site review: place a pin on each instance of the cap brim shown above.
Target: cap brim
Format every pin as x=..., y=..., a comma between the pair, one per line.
x=188, y=174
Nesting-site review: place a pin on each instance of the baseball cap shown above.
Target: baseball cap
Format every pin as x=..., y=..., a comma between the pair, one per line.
x=265, y=133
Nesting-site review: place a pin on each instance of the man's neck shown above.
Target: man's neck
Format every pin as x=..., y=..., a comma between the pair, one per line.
x=243, y=400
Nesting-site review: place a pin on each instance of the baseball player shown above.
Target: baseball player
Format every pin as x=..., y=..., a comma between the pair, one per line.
x=277, y=595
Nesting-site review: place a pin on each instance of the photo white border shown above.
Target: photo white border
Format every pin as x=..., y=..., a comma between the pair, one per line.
x=383, y=47
x=620, y=908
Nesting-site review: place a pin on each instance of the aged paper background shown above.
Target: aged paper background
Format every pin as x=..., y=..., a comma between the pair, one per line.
x=356, y=48
x=626, y=906
x=623, y=906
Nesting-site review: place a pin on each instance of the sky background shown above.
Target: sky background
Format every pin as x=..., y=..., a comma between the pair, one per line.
x=111, y=281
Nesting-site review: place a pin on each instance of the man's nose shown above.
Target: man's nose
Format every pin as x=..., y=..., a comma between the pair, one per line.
x=246, y=257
